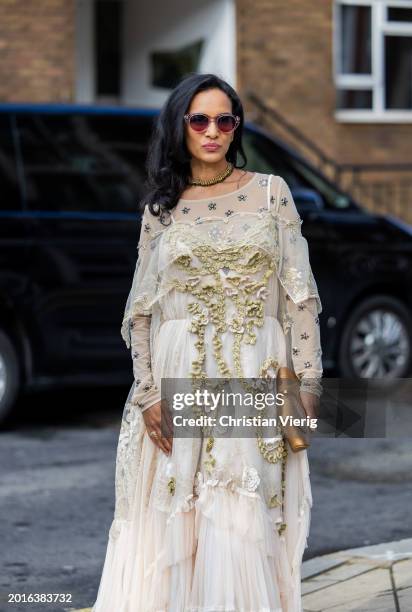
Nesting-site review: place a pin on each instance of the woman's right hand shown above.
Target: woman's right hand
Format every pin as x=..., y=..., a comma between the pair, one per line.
x=153, y=420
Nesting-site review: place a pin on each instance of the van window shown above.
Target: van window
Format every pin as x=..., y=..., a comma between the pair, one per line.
x=82, y=162
x=266, y=156
x=127, y=136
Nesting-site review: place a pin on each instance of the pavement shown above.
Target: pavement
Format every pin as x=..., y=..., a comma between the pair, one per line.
x=368, y=579
x=64, y=460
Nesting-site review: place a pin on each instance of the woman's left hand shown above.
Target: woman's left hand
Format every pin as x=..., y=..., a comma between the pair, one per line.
x=310, y=403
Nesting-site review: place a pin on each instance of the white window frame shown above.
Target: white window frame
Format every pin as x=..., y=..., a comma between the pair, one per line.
x=376, y=80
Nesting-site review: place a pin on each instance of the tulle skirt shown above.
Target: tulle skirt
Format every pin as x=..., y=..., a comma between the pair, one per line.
x=213, y=545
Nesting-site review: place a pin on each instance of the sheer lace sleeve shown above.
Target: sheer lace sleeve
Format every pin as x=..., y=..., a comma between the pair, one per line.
x=144, y=292
x=145, y=392
x=139, y=318
x=305, y=343
x=301, y=302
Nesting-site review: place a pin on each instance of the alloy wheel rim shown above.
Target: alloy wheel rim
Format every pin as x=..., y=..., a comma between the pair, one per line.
x=379, y=346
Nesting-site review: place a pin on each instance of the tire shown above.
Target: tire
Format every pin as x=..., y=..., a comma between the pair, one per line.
x=377, y=341
x=9, y=376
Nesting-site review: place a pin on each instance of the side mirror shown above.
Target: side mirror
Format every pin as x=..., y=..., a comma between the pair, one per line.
x=307, y=200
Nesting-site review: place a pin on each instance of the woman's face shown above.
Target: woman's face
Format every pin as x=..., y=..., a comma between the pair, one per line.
x=211, y=102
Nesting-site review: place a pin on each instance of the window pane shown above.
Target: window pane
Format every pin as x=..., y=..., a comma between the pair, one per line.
x=354, y=98
x=264, y=155
x=9, y=181
x=355, y=39
x=398, y=72
x=83, y=162
x=169, y=67
x=399, y=14
x=108, y=16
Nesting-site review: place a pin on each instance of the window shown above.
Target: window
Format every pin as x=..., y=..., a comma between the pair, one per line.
x=108, y=57
x=169, y=67
x=265, y=156
x=355, y=49
x=373, y=60
x=84, y=163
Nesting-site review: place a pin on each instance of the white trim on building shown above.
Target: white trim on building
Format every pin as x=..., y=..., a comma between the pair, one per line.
x=84, y=48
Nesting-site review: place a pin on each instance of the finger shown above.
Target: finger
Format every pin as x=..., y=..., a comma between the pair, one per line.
x=156, y=433
x=166, y=427
x=164, y=424
x=165, y=431
x=310, y=410
x=313, y=413
x=167, y=442
x=150, y=423
x=153, y=429
x=163, y=446
x=159, y=440
x=167, y=423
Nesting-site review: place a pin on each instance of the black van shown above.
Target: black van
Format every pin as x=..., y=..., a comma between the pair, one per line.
x=70, y=180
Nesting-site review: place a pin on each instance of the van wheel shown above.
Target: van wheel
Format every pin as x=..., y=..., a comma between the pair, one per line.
x=377, y=340
x=9, y=375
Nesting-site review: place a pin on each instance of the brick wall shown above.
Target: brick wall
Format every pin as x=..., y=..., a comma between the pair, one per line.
x=37, y=50
x=285, y=57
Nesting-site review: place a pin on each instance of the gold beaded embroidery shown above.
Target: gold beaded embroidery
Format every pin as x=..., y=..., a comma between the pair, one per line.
x=249, y=311
x=172, y=485
x=274, y=502
x=210, y=298
x=210, y=304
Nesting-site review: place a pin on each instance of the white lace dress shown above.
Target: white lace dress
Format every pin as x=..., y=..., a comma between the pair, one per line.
x=223, y=287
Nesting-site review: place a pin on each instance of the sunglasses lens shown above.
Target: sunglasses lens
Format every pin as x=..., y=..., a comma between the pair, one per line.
x=226, y=123
x=199, y=122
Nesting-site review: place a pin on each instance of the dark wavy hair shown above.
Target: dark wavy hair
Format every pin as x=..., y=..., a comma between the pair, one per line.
x=168, y=159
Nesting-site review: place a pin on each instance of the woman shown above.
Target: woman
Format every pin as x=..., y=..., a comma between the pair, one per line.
x=222, y=288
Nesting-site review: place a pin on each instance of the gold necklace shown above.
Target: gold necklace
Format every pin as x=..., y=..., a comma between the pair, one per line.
x=217, y=179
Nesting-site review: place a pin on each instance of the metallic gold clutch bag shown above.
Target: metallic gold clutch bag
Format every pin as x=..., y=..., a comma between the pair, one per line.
x=288, y=384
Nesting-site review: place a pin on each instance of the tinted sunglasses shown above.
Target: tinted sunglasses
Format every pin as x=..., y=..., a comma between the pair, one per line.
x=199, y=122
